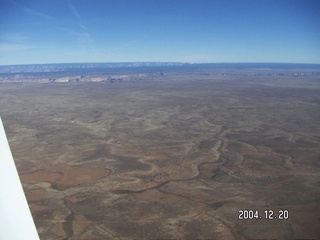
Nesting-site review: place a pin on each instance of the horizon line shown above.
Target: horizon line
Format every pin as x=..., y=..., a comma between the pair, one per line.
x=158, y=62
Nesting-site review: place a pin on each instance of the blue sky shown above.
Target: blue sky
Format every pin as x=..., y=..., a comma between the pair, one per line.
x=56, y=31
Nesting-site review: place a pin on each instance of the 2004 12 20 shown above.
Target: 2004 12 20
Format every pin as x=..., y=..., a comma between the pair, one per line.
x=269, y=214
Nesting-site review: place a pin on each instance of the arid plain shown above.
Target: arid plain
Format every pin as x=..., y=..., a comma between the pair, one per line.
x=175, y=156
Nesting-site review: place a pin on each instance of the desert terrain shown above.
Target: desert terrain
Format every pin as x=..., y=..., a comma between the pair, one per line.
x=168, y=155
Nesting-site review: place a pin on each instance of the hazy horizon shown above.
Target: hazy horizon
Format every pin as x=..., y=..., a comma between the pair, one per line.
x=49, y=32
x=294, y=64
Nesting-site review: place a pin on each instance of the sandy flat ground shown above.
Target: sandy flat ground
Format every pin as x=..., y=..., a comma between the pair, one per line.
x=175, y=158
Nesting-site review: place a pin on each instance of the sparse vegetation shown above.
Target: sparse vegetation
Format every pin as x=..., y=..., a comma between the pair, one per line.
x=175, y=155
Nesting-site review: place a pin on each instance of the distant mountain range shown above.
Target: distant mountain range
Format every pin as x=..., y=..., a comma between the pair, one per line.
x=61, y=67
x=57, y=67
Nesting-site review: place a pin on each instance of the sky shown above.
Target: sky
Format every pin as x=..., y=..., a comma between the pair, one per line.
x=196, y=31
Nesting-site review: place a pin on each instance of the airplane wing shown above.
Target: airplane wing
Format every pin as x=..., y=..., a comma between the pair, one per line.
x=16, y=221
